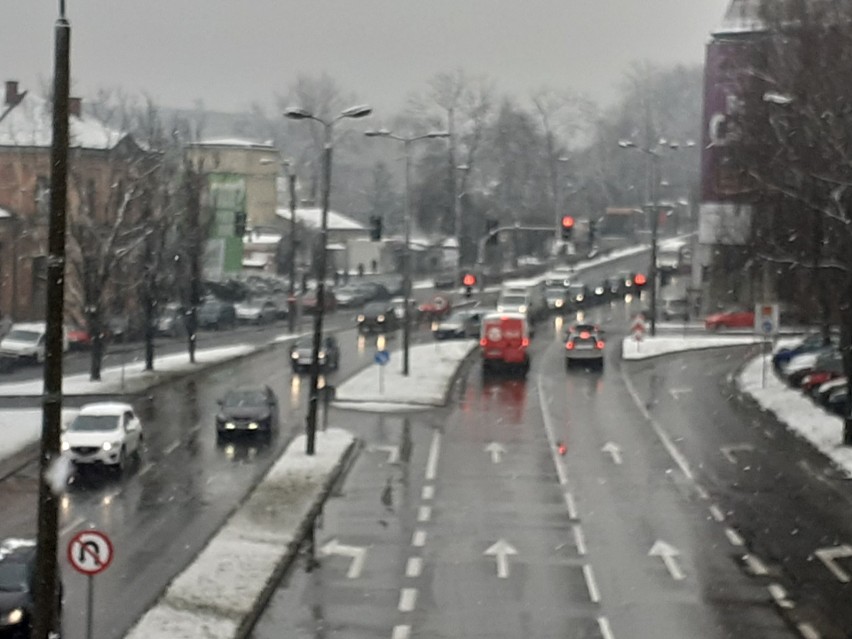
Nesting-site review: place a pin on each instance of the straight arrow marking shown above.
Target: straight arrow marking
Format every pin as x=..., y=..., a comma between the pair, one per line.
x=497, y=451
x=828, y=556
x=668, y=554
x=501, y=549
x=612, y=449
x=728, y=451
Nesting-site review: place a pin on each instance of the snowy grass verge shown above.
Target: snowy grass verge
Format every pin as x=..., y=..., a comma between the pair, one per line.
x=798, y=413
x=222, y=592
x=663, y=345
x=432, y=368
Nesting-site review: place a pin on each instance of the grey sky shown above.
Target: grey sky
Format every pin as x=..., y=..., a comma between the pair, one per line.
x=233, y=52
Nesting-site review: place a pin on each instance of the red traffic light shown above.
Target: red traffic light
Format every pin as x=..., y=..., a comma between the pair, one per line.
x=469, y=279
x=640, y=280
x=567, y=222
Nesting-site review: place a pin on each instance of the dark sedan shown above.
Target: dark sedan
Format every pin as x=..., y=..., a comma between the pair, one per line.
x=378, y=317
x=302, y=354
x=17, y=583
x=248, y=410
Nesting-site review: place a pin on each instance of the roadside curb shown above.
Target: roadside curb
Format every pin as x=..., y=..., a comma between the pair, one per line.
x=190, y=606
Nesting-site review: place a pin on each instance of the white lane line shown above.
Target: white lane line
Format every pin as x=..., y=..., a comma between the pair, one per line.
x=717, y=513
x=673, y=451
x=572, y=506
x=734, y=537
x=591, y=584
x=579, y=539
x=145, y=469
x=432, y=460
x=67, y=528
x=702, y=493
x=424, y=513
x=808, y=631
x=606, y=631
x=414, y=567
x=407, y=599
x=418, y=539
x=401, y=632
x=779, y=595
x=755, y=565
x=427, y=493
x=551, y=434
x=769, y=434
x=172, y=448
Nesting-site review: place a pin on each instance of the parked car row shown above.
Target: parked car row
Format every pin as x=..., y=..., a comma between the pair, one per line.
x=815, y=366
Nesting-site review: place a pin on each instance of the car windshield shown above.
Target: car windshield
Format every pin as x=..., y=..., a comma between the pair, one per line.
x=513, y=300
x=238, y=399
x=21, y=335
x=93, y=423
x=375, y=309
x=14, y=576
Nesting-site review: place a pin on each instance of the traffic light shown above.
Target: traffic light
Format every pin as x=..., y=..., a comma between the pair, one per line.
x=593, y=229
x=490, y=226
x=567, y=227
x=375, y=228
x=240, y=220
x=639, y=281
x=469, y=281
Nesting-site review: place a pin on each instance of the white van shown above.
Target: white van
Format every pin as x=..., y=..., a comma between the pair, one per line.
x=523, y=296
x=26, y=341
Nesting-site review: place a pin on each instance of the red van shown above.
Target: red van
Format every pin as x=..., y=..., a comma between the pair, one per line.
x=504, y=341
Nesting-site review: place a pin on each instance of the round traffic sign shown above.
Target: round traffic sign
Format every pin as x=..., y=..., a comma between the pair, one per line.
x=381, y=358
x=90, y=552
x=767, y=326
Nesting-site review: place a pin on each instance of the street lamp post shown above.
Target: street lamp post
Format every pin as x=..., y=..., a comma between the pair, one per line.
x=655, y=154
x=291, y=288
x=302, y=114
x=406, y=267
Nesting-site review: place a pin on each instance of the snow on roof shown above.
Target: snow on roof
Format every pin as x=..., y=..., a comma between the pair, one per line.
x=742, y=16
x=29, y=124
x=236, y=142
x=312, y=217
x=4, y=213
x=263, y=237
x=256, y=260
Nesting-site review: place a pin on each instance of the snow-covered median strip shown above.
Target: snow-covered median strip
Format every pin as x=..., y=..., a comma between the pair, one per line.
x=665, y=344
x=432, y=367
x=219, y=595
x=799, y=414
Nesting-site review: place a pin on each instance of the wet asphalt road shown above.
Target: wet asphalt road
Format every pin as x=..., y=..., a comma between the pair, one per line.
x=578, y=528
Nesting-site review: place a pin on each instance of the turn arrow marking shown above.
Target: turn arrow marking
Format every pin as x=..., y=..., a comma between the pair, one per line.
x=828, y=556
x=612, y=448
x=497, y=451
x=668, y=554
x=728, y=451
x=392, y=451
x=502, y=549
x=677, y=392
x=358, y=555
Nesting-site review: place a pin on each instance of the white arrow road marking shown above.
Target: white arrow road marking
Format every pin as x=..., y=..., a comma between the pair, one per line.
x=357, y=553
x=401, y=632
x=612, y=448
x=668, y=553
x=755, y=565
x=677, y=392
x=828, y=557
x=501, y=549
x=392, y=451
x=497, y=451
x=779, y=595
x=728, y=451
x=808, y=631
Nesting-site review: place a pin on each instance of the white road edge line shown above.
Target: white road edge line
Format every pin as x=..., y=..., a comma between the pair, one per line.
x=579, y=540
x=418, y=539
x=591, y=584
x=734, y=537
x=424, y=513
x=67, y=528
x=755, y=564
x=427, y=493
x=414, y=567
x=172, y=448
x=808, y=631
x=717, y=513
x=401, y=632
x=606, y=631
x=551, y=435
x=407, y=599
x=779, y=595
x=572, y=506
x=432, y=460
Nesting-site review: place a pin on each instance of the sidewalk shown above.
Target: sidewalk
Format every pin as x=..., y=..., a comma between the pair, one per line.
x=631, y=349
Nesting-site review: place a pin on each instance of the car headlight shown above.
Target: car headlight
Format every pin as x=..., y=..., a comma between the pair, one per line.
x=294, y=355
x=107, y=446
x=322, y=354
x=580, y=297
x=15, y=616
x=380, y=318
x=252, y=426
x=522, y=308
x=599, y=290
x=66, y=446
x=360, y=318
x=230, y=425
x=559, y=303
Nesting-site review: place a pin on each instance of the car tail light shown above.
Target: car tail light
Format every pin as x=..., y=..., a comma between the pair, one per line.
x=569, y=346
x=525, y=342
x=483, y=342
x=599, y=345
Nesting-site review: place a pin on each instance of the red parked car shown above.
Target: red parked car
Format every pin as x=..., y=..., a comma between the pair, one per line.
x=437, y=308
x=729, y=319
x=309, y=301
x=78, y=338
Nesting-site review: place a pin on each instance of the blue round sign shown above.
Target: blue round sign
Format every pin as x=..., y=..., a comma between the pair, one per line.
x=381, y=358
x=767, y=326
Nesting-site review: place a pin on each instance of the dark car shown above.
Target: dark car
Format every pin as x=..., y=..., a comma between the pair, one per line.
x=578, y=295
x=302, y=354
x=216, y=314
x=460, y=324
x=378, y=317
x=248, y=410
x=17, y=583
x=375, y=292
x=446, y=279
x=809, y=343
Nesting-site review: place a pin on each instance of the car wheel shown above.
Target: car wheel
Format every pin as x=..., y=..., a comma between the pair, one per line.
x=122, y=460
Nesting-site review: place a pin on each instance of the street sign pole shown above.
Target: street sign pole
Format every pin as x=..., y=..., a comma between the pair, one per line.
x=90, y=606
x=90, y=552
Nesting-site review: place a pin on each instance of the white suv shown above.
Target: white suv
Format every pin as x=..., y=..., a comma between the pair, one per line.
x=106, y=433
x=26, y=341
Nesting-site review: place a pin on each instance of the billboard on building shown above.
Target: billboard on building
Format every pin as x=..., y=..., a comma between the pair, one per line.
x=227, y=193
x=727, y=223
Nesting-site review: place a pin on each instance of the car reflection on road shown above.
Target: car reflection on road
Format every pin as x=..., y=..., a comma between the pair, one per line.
x=509, y=394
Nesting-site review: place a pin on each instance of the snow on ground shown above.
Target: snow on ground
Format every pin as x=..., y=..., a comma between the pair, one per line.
x=131, y=378
x=221, y=587
x=663, y=345
x=432, y=366
x=20, y=427
x=823, y=430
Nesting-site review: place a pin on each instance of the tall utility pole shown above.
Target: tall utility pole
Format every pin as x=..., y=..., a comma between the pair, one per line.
x=46, y=580
x=302, y=114
x=406, y=266
x=291, y=292
x=457, y=221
